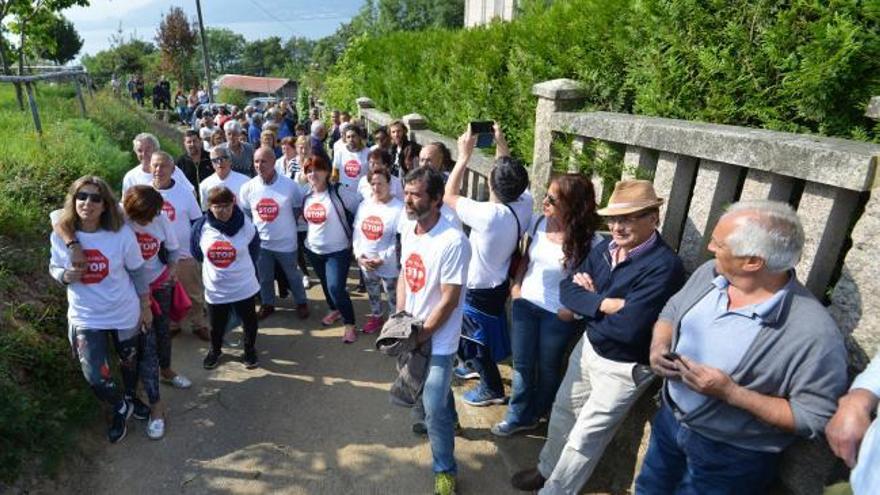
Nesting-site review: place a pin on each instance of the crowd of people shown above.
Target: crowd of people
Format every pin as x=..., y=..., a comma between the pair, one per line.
x=748, y=359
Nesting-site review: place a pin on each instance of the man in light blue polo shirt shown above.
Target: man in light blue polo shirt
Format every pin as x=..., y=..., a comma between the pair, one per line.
x=751, y=360
x=853, y=436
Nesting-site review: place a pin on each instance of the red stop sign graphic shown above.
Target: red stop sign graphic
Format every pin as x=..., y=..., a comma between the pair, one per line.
x=372, y=227
x=169, y=211
x=97, y=266
x=414, y=271
x=316, y=213
x=221, y=254
x=149, y=244
x=353, y=168
x=267, y=209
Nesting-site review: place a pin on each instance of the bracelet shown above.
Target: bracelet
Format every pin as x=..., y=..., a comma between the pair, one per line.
x=71, y=243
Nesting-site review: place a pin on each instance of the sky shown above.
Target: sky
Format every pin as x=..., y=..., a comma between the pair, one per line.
x=253, y=19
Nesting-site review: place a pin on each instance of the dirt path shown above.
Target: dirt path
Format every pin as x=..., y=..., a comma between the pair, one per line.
x=314, y=418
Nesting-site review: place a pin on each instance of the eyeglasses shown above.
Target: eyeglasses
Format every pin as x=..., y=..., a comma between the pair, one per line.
x=218, y=160
x=92, y=197
x=550, y=199
x=626, y=219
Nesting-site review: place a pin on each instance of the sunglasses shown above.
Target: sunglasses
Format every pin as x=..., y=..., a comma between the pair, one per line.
x=626, y=219
x=550, y=199
x=86, y=196
x=218, y=160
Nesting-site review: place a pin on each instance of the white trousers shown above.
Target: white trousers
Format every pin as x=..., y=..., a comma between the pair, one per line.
x=591, y=403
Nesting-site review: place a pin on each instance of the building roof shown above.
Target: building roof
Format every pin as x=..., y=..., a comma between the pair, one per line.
x=253, y=84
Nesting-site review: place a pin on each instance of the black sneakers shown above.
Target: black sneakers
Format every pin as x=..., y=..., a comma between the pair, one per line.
x=141, y=410
x=250, y=359
x=211, y=360
x=118, y=427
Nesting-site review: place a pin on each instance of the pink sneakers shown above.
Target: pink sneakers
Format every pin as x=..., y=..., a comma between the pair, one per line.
x=374, y=324
x=331, y=318
x=350, y=335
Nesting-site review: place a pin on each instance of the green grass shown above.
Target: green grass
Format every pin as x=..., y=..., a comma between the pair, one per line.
x=43, y=397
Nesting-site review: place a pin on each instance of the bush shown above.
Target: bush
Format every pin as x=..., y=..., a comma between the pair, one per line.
x=798, y=66
x=233, y=97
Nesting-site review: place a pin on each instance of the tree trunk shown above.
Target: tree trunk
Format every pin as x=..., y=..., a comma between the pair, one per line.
x=19, y=95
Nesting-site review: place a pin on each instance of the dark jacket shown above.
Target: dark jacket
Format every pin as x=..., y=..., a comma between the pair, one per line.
x=196, y=173
x=646, y=282
x=399, y=337
x=229, y=228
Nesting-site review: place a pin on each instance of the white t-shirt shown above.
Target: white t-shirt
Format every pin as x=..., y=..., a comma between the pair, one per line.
x=149, y=237
x=366, y=190
x=326, y=233
x=105, y=297
x=228, y=270
x=440, y=256
x=375, y=234
x=352, y=165
x=233, y=182
x=270, y=206
x=137, y=177
x=445, y=212
x=493, y=237
x=181, y=210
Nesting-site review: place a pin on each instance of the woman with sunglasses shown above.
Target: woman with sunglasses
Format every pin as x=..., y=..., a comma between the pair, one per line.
x=223, y=176
x=329, y=210
x=558, y=241
x=108, y=297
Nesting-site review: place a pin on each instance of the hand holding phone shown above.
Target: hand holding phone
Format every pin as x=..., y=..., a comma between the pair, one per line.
x=485, y=132
x=673, y=356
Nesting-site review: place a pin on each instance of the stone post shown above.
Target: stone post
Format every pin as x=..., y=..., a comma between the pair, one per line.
x=364, y=103
x=414, y=122
x=558, y=95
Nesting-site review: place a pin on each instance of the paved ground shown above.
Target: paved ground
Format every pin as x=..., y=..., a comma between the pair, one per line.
x=314, y=418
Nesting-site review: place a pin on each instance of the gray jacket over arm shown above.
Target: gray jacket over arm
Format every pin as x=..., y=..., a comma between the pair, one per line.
x=799, y=356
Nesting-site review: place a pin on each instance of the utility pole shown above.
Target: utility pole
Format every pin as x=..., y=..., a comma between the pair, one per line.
x=205, y=53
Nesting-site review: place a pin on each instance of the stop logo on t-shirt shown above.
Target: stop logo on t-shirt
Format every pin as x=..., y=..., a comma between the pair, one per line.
x=352, y=168
x=149, y=245
x=373, y=228
x=97, y=266
x=414, y=271
x=316, y=213
x=267, y=209
x=221, y=254
x=169, y=210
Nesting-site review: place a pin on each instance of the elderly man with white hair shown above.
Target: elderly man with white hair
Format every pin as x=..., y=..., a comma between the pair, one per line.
x=240, y=154
x=144, y=145
x=751, y=360
x=316, y=139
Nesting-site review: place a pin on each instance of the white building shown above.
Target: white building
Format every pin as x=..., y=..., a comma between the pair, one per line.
x=478, y=12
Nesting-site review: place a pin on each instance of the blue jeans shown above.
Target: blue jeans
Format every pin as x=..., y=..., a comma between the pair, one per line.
x=538, y=339
x=92, y=350
x=266, y=271
x=332, y=269
x=440, y=415
x=683, y=462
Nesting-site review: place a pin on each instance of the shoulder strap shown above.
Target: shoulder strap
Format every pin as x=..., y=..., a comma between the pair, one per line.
x=337, y=204
x=518, y=227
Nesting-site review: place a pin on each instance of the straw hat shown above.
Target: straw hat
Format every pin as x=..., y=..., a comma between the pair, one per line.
x=630, y=196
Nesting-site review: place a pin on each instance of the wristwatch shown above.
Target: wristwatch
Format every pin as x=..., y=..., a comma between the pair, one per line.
x=71, y=243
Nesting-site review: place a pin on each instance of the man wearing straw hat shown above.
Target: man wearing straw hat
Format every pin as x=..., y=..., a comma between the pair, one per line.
x=618, y=290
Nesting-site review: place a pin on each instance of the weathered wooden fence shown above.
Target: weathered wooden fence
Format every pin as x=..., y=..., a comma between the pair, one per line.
x=700, y=168
x=78, y=76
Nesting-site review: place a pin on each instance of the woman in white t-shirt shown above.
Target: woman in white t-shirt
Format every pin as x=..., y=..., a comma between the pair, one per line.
x=376, y=244
x=160, y=250
x=380, y=158
x=329, y=208
x=495, y=228
x=350, y=161
x=226, y=243
x=558, y=241
x=108, y=297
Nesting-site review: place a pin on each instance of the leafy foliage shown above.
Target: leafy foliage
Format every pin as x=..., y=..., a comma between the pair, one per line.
x=800, y=66
x=177, y=43
x=65, y=45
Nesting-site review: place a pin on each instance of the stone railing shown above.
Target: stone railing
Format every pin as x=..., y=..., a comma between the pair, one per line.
x=701, y=168
x=475, y=184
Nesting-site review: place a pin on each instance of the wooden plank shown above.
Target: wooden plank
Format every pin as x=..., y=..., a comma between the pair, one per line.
x=35, y=112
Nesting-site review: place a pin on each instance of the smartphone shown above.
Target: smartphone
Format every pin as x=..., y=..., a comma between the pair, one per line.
x=673, y=356
x=485, y=132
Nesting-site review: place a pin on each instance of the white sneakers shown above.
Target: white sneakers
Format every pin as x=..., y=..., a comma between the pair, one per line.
x=179, y=381
x=306, y=282
x=156, y=428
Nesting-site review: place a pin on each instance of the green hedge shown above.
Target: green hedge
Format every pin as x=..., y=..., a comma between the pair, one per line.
x=800, y=66
x=42, y=394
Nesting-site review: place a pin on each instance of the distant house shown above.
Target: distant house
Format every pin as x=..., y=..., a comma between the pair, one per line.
x=479, y=12
x=259, y=86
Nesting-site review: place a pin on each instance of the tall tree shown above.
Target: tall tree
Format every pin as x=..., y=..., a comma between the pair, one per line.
x=225, y=49
x=263, y=57
x=177, y=43
x=62, y=42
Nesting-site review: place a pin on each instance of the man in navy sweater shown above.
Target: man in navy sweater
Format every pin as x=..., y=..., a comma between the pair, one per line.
x=619, y=290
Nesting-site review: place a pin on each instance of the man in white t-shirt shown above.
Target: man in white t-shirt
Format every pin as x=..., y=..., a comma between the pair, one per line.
x=181, y=210
x=145, y=144
x=273, y=201
x=223, y=176
x=435, y=256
